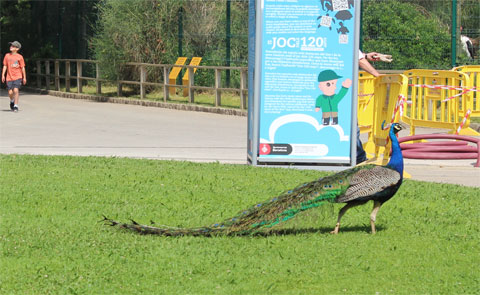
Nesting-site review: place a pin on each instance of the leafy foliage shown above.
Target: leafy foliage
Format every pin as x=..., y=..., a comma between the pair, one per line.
x=150, y=31
x=48, y=28
x=470, y=18
x=415, y=38
x=134, y=31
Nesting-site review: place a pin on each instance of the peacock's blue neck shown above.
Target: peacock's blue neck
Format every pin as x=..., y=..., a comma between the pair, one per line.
x=396, y=159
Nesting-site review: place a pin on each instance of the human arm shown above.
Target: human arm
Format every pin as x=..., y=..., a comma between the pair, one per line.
x=24, y=76
x=366, y=66
x=4, y=70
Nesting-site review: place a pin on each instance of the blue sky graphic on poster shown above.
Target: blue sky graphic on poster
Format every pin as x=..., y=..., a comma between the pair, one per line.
x=306, y=89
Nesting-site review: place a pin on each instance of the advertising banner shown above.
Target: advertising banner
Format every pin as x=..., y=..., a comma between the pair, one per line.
x=307, y=69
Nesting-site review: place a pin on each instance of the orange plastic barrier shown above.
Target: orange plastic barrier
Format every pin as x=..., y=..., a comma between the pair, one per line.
x=439, y=99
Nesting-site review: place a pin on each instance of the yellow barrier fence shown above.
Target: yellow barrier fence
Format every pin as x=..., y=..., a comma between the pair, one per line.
x=438, y=99
x=366, y=93
x=473, y=72
x=390, y=93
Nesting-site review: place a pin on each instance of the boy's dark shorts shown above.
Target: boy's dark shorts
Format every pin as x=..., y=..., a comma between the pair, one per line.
x=14, y=84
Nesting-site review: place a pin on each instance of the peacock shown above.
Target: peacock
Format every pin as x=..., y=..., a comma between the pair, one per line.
x=355, y=186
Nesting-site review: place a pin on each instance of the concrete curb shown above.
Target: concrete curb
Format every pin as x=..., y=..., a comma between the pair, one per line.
x=146, y=103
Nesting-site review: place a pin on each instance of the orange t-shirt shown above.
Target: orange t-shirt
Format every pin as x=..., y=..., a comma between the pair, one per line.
x=14, y=64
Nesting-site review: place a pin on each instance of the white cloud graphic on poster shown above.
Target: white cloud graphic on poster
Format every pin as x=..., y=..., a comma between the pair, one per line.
x=288, y=121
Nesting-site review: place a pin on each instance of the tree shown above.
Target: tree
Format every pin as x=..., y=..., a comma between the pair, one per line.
x=202, y=27
x=48, y=28
x=415, y=38
x=135, y=31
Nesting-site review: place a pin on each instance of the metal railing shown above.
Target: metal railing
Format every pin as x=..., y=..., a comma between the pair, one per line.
x=44, y=78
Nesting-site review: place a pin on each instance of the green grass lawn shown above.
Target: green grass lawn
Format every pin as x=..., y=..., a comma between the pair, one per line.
x=52, y=242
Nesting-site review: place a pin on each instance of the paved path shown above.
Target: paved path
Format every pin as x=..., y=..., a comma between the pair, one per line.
x=48, y=125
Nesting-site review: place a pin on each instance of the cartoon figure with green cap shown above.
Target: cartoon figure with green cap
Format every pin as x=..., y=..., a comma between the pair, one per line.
x=328, y=101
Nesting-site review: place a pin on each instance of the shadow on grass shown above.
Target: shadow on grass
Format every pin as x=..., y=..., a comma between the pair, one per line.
x=315, y=230
x=147, y=230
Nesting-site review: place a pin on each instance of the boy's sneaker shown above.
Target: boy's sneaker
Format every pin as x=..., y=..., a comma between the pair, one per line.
x=15, y=109
x=12, y=105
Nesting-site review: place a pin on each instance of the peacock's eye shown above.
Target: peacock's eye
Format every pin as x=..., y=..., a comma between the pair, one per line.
x=340, y=181
x=325, y=186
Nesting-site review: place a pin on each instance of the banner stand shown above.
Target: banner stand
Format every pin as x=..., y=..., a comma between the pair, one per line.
x=303, y=76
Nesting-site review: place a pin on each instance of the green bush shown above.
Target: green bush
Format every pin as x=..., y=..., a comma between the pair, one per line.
x=134, y=31
x=149, y=31
x=415, y=38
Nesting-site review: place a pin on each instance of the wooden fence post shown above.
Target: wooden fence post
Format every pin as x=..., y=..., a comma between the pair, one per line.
x=143, y=79
x=119, y=86
x=47, y=74
x=57, y=75
x=218, y=82
x=67, y=76
x=191, y=79
x=165, y=82
x=243, y=86
x=79, y=76
x=39, y=74
x=97, y=80
x=119, y=89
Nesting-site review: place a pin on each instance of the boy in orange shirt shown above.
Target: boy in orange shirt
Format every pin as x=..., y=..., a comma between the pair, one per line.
x=14, y=67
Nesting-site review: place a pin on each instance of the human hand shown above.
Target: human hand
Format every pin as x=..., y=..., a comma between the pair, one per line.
x=373, y=56
x=385, y=57
x=317, y=109
x=3, y=79
x=24, y=81
x=347, y=83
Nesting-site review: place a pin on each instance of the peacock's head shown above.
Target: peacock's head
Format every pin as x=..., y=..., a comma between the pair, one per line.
x=397, y=127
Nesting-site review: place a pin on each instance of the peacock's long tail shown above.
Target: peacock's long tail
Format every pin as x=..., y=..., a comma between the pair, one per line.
x=165, y=231
x=354, y=186
x=262, y=216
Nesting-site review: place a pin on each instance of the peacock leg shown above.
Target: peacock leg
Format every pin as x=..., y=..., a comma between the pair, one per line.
x=340, y=214
x=373, y=215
